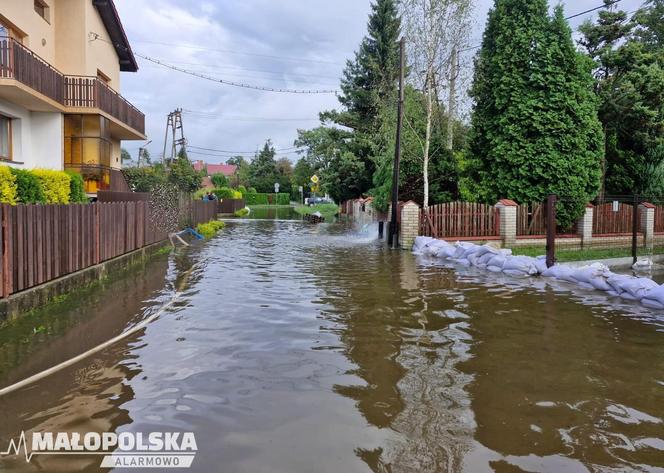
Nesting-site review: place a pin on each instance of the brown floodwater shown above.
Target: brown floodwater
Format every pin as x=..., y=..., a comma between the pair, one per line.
x=298, y=348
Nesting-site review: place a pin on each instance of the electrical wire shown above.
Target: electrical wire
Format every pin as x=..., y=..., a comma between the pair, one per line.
x=291, y=148
x=576, y=15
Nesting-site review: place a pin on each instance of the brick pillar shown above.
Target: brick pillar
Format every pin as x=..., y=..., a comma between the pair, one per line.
x=648, y=223
x=507, y=209
x=410, y=224
x=585, y=226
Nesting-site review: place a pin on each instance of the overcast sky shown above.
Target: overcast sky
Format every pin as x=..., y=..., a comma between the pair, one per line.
x=293, y=44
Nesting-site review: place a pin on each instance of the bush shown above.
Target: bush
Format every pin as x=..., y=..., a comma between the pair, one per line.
x=219, y=180
x=8, y=186
x=242, y=190
x=76, y=188
x=29, y=189
x=145, y=179
x=56, y=185
x=224, y=193
x=283, y=199
x=251, y=190
x=210, y=229
x=242, y=212
x=200, y=193
x=256, y=199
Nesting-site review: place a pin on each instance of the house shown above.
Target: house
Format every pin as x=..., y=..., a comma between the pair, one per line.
x=227, y=170
x=60, y=102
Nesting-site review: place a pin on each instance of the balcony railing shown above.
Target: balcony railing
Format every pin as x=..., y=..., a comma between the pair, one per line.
x=20, y=63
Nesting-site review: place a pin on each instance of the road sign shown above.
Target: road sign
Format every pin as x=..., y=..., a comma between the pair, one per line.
x=276, y=187
x=314, y=179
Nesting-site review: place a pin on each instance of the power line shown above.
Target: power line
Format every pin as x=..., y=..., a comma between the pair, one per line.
x=291, y=148
x=576, y=15
x=236, y=84
x=248, y=119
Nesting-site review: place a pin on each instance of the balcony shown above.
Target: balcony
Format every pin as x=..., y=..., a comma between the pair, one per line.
x=73, y=94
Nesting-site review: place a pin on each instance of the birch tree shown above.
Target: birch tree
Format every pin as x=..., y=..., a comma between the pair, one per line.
x=434, y=30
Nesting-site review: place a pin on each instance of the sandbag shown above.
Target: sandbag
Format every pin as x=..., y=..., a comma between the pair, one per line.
x=655, y=294
x=446, y=252
x=519, y=266
x=540, y=264
x=638, y=287
x=495, y=264
x=420, y=243
x=557, y=271
x=616, y=281
x=464, y=249
x=432, y=248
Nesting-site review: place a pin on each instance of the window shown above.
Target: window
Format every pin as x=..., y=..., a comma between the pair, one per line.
x=41, y=7
x=5, y=137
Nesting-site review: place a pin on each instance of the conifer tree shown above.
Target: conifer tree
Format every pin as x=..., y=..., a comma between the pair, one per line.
x=535, y=126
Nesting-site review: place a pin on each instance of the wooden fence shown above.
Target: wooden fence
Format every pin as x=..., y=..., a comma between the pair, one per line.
x=230, y=206
x=607, y=221
x=659, y=218
x=460, y=220
x=39, y=243
x=531, y=220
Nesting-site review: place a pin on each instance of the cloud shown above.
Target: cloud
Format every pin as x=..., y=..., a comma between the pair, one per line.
x=285, y=44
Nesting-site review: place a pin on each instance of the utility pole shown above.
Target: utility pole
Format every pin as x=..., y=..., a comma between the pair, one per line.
x=451, y=106
x=141, y=153
x=393, y=237
x=173, y=124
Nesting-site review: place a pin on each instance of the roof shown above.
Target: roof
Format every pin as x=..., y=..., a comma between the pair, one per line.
x=111, y=19
x=212, y=169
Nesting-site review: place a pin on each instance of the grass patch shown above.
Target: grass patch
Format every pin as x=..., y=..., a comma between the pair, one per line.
x=210, y=229
x=577, y=254
x=261, y=206
x=328, y=211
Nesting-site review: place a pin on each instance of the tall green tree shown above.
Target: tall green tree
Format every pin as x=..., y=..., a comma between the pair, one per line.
x=368, y=82
x=263, y=170
x=535, y=129
x=629, y=69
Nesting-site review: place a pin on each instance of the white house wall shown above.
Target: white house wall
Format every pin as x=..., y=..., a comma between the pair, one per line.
x=36, y=137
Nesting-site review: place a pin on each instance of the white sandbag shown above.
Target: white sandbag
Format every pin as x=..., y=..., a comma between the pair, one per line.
x=446, y=252
x=653, y=296
x=483, y=260
x=473, y=258
x=519, y=266
x=464, y=249
x=420, y=243
x=540, y=264
x=463, y=262
x=495, y=264
x=432, y=248
x=638, y=287
x=587, y=273
x=617, y=281
x=557, y=271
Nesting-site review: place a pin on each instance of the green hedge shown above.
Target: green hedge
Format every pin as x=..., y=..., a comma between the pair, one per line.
x=268, y=199
x=7, y=186
x=227, y=193
x=76, y=188
x=55, y=185
x=29, y=189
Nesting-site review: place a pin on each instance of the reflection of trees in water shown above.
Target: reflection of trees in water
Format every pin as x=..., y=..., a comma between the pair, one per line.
x=552, y=377
x=85, y=398
x=390, y=321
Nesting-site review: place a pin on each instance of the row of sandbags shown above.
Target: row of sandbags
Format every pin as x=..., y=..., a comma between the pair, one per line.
x=595, y=276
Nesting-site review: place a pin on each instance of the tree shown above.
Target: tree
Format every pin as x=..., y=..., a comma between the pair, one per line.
x=284, y=174
x=629, y=69
x=125, y=157
x=534, y=126
x=183, y=174
x=302, y=173
x=443, y=167
x=263, y=171
x=219, y=180
x=434, y=29
x=242, y=171
x=369, y=80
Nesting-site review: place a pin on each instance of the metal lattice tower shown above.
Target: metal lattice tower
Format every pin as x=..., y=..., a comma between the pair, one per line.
x=174, y=125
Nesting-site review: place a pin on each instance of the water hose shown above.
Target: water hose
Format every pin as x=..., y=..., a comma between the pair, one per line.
x=98, y=348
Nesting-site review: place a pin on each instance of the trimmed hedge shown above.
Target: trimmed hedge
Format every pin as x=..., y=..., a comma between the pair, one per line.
x=76, y=188
x=29, y=187
x=227, y=193
x=8, y=187
x=268, y=199
x=56, y=185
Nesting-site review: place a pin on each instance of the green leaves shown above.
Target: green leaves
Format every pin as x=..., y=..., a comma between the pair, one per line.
x=535, y=127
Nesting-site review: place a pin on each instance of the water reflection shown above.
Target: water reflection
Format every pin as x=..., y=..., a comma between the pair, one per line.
x=298, y=348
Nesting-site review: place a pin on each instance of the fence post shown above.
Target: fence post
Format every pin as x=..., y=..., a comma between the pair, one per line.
x=551, y=230
x=410, y=224
x=585, y=226
x=507, y=221
x=635, y=228
x=647, y=211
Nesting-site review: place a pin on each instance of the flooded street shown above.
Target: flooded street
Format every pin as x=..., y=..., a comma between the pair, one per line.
x=301, y=348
